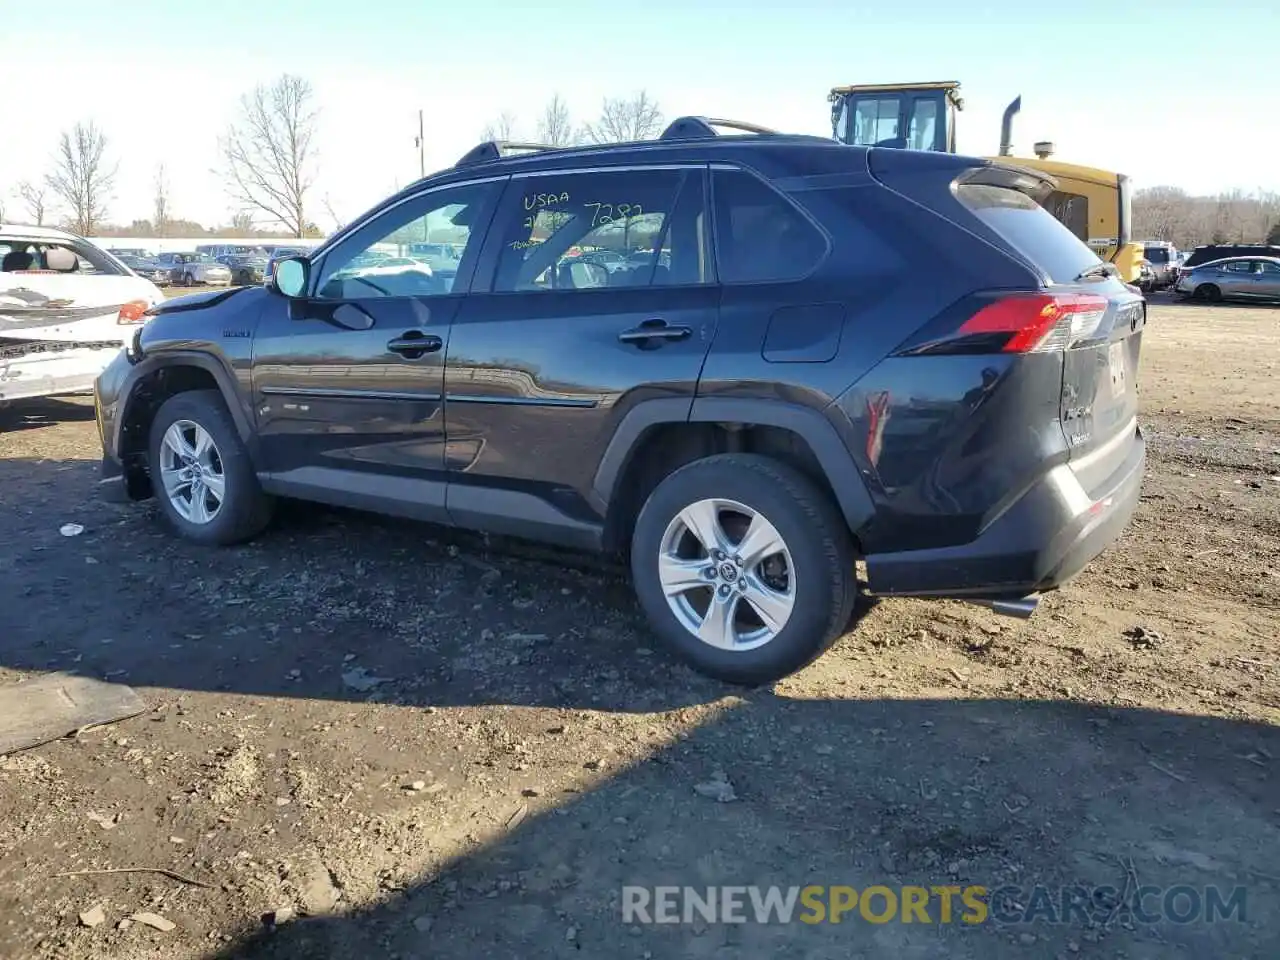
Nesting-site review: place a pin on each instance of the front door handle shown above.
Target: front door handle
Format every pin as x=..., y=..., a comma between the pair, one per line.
x=415, y=344
x=655, y=330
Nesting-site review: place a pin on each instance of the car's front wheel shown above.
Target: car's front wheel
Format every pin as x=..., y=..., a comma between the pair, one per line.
x=201, y=472
x=744, y=567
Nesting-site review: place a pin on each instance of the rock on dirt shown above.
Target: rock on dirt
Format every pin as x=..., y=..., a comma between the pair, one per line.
x=154, y=920
x=718, y=788
x=92, y=917
x=1144, y=638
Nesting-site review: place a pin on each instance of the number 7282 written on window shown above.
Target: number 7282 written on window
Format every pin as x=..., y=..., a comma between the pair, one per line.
x=601, y=212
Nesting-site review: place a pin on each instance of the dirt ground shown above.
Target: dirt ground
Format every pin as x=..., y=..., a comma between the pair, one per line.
x=424, y=745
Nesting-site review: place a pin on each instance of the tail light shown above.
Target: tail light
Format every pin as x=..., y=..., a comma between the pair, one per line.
x=1038, y=322
x=133, y=312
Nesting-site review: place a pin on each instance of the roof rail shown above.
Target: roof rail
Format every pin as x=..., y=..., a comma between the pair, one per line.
x=497, y=149
x=697, y=128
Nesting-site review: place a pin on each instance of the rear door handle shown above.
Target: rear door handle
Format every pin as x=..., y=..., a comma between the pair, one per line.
x=415, y=344
x=652, y=330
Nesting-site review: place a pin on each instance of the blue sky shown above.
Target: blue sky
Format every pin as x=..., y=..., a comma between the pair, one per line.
x=1151, y=97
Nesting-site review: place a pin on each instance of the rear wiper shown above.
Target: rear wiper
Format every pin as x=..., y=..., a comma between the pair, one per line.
x=1102, y=269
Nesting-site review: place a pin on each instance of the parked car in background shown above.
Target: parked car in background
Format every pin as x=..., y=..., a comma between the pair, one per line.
x=220, y=250
x=1146, y=281
x=1234, y=278
x=246, y=268
x=1207, y=253
x=147, y=267
x=1163, y=259
x=130, y=252
x=66, y=308
x=436, y=255
x=745, y=423
x=190, y=269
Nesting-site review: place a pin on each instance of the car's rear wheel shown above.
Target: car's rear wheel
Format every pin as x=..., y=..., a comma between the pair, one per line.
x=1208, y=292
x=744, y=567
x=201, y=472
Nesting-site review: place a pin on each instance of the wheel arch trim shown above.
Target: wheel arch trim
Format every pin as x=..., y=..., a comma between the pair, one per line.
x=811, y=425
x=222, y=377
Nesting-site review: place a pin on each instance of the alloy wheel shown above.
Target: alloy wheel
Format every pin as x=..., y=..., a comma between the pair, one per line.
x=191, y=471
x=727, y=574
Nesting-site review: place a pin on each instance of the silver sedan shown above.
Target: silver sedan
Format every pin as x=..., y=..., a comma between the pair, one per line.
x=1234, y=278
x=188, y=269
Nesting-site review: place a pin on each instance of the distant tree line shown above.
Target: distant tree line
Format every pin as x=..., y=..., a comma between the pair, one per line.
x=269, y=162
x=1236, y=216
x=621, y=119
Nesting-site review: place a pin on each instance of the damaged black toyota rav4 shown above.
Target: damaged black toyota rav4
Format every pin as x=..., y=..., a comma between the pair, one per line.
x=715, y=354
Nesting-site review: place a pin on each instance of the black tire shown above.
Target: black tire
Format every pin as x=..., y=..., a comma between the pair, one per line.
x=1208, y=292
x=816, y=537
x=246, y=509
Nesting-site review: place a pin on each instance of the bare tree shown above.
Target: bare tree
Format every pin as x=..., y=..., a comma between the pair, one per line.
x=269, y=154
x=555, y=128
x=504, y=128
x=623, y=120
x=81, y=177
x=242, y=223
x=34, y=197
x=337, y=220
x=160, y=204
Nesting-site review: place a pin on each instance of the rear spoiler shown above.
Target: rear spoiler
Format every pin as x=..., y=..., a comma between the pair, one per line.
x=1036, y=184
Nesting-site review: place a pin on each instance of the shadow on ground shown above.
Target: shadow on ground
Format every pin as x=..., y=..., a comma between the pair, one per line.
x=1123, y=804
x=45, y=412
x=323, y=606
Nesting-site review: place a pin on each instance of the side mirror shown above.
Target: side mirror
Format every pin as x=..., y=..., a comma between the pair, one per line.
x=291, y=276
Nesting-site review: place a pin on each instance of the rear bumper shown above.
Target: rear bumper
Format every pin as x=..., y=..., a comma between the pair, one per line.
x=1043, y=540
x=51, y=372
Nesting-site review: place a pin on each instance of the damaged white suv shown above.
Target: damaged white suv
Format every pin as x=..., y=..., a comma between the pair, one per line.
x=66, y=309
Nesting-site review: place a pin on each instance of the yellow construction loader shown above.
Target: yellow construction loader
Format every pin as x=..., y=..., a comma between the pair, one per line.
x=1094, y=204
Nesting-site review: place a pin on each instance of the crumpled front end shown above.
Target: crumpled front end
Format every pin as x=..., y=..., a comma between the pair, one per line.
x=57, y=333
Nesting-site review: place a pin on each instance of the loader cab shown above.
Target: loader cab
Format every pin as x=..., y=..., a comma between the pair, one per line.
x=913, y=116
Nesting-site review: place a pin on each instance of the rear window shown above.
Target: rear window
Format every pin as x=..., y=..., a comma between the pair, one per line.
x=1157, y=254
x=1030, y=229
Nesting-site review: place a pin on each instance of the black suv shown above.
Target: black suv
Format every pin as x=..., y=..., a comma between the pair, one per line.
x=1210, y=252
x=766, y=390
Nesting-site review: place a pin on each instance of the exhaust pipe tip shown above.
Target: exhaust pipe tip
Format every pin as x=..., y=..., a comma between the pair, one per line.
x=1020, y=609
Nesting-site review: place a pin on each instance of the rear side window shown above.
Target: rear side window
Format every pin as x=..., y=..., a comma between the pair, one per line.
x=1030, y=229
x=760, y=236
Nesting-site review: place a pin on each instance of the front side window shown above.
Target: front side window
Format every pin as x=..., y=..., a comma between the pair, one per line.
x=575, y=231
x=1271, y=269
x=383, y=259
x=760, y=236
x=875, y=120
